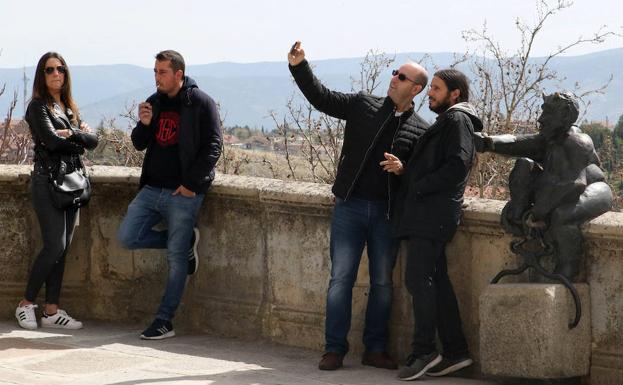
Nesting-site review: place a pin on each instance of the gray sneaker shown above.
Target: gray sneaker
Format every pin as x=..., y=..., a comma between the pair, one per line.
x=417, y=366
x=447, y=366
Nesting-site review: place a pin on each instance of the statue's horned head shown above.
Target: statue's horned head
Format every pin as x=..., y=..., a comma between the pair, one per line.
x=566, y=102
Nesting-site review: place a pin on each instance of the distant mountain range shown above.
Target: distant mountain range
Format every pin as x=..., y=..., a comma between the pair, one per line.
x=248, y=92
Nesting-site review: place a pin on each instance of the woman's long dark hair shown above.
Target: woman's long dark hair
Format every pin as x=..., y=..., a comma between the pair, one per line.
x=40, y=89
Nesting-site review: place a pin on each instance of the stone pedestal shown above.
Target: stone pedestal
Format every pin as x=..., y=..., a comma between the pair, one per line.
x=524, y=331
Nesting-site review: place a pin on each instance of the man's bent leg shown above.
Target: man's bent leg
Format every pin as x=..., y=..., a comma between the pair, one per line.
x=521, y=184
x=135, y=231
x=181, y=215
x=564, y=229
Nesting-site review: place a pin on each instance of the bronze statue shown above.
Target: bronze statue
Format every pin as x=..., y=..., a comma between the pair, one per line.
x=556, y=184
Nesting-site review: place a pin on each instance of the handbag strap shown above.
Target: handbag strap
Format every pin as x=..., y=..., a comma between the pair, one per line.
x=47, y=160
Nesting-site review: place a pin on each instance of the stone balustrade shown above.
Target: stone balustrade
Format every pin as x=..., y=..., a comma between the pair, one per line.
x=265, y=268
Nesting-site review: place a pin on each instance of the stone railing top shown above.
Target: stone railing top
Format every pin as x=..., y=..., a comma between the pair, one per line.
x=608, y=225
x=249, y=188
x=102, y=174
x=14, y=173
x=274, y=190
x=478, y=211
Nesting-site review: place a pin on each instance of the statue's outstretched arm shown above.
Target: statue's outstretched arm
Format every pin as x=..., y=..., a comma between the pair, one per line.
x=530, y=146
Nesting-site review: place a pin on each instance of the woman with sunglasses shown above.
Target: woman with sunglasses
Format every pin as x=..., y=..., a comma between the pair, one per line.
x=60, y=138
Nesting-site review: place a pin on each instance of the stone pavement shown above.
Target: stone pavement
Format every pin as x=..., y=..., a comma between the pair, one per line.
x=112, y=354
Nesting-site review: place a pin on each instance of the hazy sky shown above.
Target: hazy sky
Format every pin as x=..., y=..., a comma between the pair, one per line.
x=132, y=31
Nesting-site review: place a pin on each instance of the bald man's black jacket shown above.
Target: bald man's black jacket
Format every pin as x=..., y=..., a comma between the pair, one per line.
x=366, y=116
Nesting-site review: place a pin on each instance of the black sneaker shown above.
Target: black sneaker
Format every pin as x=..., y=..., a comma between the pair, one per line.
x=417, y=366
x=158, y=330
x=193, y=255
x=447, y=366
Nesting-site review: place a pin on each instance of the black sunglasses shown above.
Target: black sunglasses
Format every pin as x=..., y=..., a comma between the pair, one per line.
x=60, y=69
x=402, y=77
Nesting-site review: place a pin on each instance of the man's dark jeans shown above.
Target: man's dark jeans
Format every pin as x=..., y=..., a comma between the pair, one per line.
x=356, y=223
x=435, y=307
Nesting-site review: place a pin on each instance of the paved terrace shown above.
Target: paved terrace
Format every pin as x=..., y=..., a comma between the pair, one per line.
x=105, y=353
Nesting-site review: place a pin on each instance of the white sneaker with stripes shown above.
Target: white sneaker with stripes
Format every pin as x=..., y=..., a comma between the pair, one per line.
x=60, y=320
x=26, y=316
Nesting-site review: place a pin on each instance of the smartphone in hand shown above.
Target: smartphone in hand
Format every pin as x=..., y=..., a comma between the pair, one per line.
x=294, y=47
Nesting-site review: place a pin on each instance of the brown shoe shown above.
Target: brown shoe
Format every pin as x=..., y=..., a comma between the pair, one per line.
x=379, y=360
x=331, y=361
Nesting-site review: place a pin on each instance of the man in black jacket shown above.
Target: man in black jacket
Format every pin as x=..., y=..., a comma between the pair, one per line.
x=180, y=128
x=427, y=213
x=375, y=126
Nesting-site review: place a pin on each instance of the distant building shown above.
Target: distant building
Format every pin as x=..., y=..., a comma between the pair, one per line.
x=230, y=139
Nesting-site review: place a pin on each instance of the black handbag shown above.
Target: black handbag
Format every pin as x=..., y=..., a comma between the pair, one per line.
x=67, y=190
x=70, y=190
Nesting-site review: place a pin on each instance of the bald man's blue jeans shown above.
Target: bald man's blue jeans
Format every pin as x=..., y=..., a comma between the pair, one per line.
x=357, y=223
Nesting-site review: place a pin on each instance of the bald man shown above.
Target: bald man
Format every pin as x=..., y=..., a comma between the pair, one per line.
x=379, y=135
